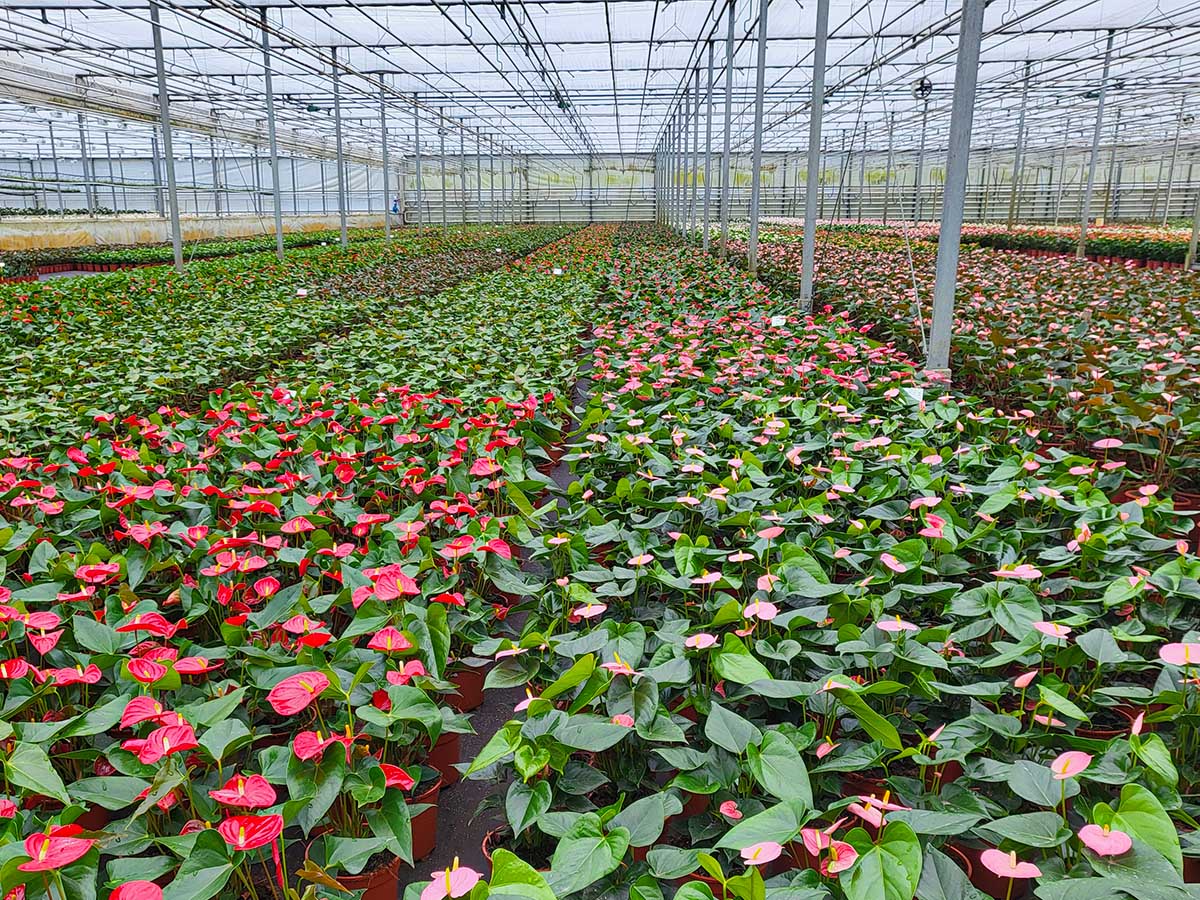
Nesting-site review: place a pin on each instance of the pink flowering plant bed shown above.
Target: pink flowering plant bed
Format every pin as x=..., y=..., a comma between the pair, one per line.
x=801, y=624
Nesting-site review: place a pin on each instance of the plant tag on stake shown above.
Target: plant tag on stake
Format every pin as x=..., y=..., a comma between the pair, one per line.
x=557, y=270
x=778, y=321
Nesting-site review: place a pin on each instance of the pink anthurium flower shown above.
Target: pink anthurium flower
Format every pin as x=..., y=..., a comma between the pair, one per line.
x=1070, y=764
x=137, y=890
x=1105, y=840
x=895, y=624
x=296, y=692
x=1024, y=572
x=729, y=809
x=1006, y=865
x=1180, y=654
x=761, y=853
x=763, y=610
x=701, y=641
x=1052, y=629
x=841, y=857
x=456, y=881
x=253, y=792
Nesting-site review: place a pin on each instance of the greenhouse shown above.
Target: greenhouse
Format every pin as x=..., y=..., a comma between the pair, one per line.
x=599, y=450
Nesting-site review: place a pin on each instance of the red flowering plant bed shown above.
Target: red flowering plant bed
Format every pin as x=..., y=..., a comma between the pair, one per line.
x=228, y=634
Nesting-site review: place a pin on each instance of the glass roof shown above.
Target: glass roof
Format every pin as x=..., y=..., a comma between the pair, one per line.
x=588, y=76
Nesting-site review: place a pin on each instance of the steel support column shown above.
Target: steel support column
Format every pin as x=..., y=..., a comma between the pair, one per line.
x=1018, y=156
x=919, y=175
x=708, y=116
x=442, y=163
x=694, y=211
x=1171, y=169
x=85, y=165
x=756, y=156
x=726, y=196
x=420, y=173
x=341, y=168
x=387, y=187
x=1086, y=212
x=958, y=159
x=812, y=177
x=57, y=177
x=273, y=144
x=164, y=113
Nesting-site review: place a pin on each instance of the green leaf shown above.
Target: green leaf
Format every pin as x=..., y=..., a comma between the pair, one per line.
x=513, y=877
x=1141, y=816
x=585, y=854
x=872, y=722
x=644, y=819
x=736, y=664
x=393, y=825
x=942, y=879
x=204, y=872
x=778, y=767
x=591, y=733
x=887, y=870
x=95, y=636
x=730, y=731
x=1037, y=784
x=1037, y=829
x=29, y=767
x=779, y=823
x=572, y=678
x=524, y=804
x=1058, y=702
x=108, y=791
x=502, y=743
x=1151, y=750
x=225, y=737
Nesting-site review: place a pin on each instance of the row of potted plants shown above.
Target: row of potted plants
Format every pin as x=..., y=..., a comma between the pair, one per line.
x=159, y=337
x=238, y=640
x=92, y=259
x=820, y=627
x=1085, y=353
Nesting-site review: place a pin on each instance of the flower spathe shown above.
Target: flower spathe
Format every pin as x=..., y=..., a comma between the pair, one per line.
x=251, y=832
x=1070, y=764
x=456, y=881
x=1006, y=865
x=1180, y=654
x=761, y=853
x=294, y=693
x=55, y=848
x=1103, y=840
x=137, y=890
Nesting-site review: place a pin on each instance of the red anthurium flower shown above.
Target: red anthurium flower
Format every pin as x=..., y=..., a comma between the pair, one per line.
x=266, y=587
x=389, y=640
x=147, y=671
x=152, y=622
x=8, y=809
x=161, y=742
x=497, y=546
x=141, y=709
x=253, y=792
x=44, y=641
x=450, y=598
x=251, y=832
x=296, y=692
x=196, y=665
x=77, y=675
x=137, y=890
x=397, y=777
x=344, y=473
x=97, y=573
x=14, y=668
x=393, y=583
x=54, y=849
x=412, y=668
